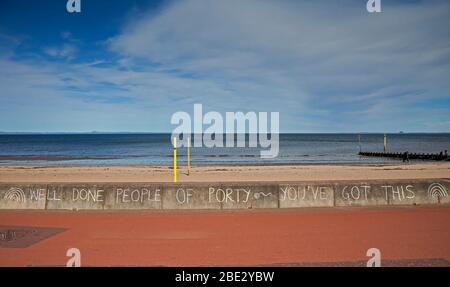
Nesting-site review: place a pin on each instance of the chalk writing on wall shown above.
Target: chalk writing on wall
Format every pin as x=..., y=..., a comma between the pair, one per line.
x=218, y=195
x=308, y=192
x=127, y=195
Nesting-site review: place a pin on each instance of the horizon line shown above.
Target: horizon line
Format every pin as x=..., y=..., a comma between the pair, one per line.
x=165, y=132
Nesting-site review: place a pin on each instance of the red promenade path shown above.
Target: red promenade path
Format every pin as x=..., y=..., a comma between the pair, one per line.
x=267, y=237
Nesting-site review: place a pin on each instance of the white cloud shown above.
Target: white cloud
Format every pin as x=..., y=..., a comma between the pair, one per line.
x=299, y=57
x=66, y=51
x=325, y=66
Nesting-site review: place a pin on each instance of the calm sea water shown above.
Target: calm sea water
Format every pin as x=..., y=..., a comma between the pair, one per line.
x=138, y=149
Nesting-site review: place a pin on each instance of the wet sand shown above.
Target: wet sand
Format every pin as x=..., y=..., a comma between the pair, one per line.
x=414, y=236
x=224, y=173
x=49, y=158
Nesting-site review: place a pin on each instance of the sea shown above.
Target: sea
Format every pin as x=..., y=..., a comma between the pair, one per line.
x=156, y=149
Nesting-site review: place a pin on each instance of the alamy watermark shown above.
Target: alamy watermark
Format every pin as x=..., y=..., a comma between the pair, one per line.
x=73, y=6
x=237, y=126
x=375, y=260
x=373, y=6
x=74, y=255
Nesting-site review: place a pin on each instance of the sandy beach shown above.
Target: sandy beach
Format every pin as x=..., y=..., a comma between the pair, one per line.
x=224, y=173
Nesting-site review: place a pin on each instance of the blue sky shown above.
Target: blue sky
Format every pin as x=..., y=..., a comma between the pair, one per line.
x=325, y=66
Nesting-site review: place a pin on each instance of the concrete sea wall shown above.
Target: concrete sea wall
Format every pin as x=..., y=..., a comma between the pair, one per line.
x=237, y=195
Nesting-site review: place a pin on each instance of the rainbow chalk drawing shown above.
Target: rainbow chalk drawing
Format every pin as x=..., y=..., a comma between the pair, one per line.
x=437, y=190
x=15, y=194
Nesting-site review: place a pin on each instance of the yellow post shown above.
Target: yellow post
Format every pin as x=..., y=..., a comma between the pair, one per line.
x=189, y=155
x=174, y=159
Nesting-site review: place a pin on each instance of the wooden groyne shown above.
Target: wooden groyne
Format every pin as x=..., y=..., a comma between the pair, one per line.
x=400, y=155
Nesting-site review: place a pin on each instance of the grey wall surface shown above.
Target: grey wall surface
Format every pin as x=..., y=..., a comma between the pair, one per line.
x=236, y=195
